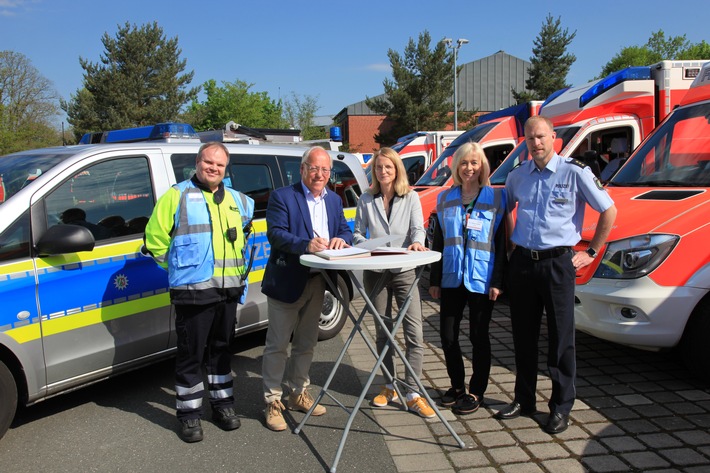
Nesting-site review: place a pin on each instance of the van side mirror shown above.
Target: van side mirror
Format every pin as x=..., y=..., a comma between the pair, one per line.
x=61, y=239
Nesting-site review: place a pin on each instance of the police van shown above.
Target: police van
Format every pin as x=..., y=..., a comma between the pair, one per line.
x=81, y=306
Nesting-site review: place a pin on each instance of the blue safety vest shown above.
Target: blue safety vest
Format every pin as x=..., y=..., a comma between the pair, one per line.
x=471, y=263
x=191, y=258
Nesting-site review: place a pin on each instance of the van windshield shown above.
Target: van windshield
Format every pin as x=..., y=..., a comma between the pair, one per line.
x=18, y=170
x=677, y=154
x=520, y=154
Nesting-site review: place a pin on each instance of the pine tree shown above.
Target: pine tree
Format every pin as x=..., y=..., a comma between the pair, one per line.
x=418, y=97
x=550, y=62
x=139, y=81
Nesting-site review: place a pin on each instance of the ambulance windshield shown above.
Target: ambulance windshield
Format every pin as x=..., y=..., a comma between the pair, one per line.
x=677, y=154
x=440, y=171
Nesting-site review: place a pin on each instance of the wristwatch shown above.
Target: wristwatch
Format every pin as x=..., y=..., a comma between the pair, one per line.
x=591, y=252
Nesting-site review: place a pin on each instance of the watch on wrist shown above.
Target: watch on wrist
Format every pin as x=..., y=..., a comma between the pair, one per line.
x=591, y=252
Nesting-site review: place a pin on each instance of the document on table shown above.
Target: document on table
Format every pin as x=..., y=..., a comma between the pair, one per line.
x=378, y=242
x=350, y=252
x=388, y=250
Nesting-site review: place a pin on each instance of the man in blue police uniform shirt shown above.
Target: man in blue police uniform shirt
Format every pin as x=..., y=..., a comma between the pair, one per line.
x=551, y=193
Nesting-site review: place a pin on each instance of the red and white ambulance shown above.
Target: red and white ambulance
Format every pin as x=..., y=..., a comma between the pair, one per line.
x=650, y=286
x=603, y=121
x=418, y=150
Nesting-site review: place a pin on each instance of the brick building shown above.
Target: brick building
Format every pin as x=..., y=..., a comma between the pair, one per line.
x=484, y=85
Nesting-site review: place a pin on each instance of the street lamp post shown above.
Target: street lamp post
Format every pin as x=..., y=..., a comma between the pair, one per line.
x=450, y=44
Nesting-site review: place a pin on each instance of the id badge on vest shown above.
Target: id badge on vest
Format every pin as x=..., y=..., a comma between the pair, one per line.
x=474, y=224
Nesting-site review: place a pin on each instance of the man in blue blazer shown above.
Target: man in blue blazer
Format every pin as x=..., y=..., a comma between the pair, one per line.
x=302, y=218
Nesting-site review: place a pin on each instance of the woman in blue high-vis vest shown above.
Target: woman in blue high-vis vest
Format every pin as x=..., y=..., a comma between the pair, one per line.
x=470, y=234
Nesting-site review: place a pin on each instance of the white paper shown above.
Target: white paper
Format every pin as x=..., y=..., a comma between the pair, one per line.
x=373, y=243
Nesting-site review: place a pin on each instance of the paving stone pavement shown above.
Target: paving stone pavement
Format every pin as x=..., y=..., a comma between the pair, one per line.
x=635, y=410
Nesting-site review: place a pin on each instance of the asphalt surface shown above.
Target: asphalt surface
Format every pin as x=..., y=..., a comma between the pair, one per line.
x=127, y=424
x=636, y=411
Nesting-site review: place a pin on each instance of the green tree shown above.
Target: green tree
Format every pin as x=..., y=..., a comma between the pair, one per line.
x=418, y=97
x=657, y=48
x=233, y=101
x=550, y=62
x=139, y=81
x=28, y=105
x=299, y=112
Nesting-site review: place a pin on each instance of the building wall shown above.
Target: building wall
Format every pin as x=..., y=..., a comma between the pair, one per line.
x=360, y=131
x=483, y=85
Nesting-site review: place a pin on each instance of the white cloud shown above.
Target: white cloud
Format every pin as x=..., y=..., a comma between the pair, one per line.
x=378, y=67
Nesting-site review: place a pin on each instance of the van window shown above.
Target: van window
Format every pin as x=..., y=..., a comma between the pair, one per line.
x=15, y=240
x=254, y=180
x=183, y=166
x=112, y=199
x=414, y=166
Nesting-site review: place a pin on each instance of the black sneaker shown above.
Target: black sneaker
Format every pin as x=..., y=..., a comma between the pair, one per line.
x=467, y=404
x=451, y=396
x=191, y=430
x=226, y=418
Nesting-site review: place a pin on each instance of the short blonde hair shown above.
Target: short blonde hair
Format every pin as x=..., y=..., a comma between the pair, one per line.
x=466, y=149
x=401, y=183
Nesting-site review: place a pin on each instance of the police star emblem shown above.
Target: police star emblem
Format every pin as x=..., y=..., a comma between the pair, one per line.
x=120, y=281
x=599, y=184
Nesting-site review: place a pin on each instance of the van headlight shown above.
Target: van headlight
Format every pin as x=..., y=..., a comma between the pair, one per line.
x=635, y=257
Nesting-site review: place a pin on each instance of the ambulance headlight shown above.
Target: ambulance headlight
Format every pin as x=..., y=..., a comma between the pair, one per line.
x=635, y=257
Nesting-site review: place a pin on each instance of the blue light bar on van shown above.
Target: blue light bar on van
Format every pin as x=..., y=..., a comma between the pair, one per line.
x=520, y=112
x=630, y=73
x=161, y=131
x=164, y=131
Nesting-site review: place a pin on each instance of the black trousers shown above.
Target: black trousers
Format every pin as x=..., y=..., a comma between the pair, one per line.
x=204, y=334
x=535, y=286
x=480, y=309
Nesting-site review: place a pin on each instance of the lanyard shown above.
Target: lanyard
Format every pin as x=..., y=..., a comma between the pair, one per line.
x=467, y=213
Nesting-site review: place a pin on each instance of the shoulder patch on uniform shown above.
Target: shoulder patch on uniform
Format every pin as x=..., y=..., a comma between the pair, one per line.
x=599, y=184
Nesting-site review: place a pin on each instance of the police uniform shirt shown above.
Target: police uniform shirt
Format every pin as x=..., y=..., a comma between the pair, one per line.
x=551, y=202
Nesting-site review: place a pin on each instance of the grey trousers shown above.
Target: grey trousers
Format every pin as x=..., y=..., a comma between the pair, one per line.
x=397, y=285
x=299, y=318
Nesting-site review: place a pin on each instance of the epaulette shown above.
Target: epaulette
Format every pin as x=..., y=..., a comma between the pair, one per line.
x=576, y=162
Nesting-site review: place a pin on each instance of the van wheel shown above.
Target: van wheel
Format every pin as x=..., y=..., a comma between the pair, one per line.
x=333, y=315
x=8, y=394
x=694, y=344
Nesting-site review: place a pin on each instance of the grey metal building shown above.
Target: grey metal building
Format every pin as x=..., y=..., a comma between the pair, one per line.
x=485, y=85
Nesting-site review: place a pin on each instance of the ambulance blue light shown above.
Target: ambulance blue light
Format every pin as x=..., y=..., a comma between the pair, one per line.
x=630, y=73
x=520, y=112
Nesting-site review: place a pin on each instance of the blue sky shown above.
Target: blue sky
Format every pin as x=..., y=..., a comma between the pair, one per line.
x=335, y=51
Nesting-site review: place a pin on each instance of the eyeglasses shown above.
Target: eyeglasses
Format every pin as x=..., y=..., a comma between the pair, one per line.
x=315, y=169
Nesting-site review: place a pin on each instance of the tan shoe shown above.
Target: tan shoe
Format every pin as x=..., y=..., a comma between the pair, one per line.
x=274, y=417
x=303, y=402
x=421, y=407
x=386, y=396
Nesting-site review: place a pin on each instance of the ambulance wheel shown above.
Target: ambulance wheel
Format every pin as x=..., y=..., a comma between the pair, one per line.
x=8, y=394
x=694, y=344
x=333, y=316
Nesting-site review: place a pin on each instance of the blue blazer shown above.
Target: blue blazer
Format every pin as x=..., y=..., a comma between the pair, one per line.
x=289, y=230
